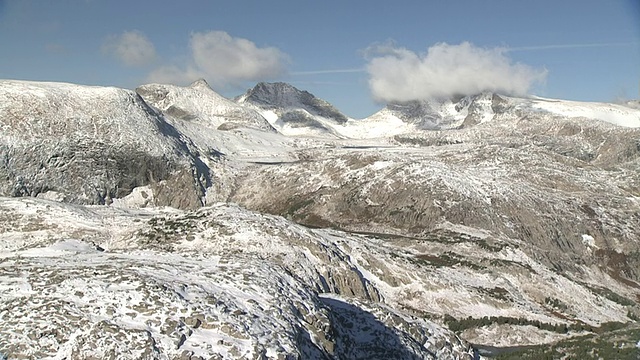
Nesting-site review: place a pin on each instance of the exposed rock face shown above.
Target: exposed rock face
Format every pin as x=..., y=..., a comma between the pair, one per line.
x=292, y=111
x=89, y=144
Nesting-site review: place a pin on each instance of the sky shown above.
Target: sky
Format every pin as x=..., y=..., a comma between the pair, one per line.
x=358, y=55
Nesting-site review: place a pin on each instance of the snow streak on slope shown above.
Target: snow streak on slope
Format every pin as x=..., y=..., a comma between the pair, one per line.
x=378, y=125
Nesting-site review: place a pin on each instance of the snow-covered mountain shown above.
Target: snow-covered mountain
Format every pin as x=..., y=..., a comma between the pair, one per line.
x=292, y=111
x=220, y=282
x=472, y=110
x=296, y=112
x=199, y=103
x=352, y=239
x=443, y=115
x=620, y=115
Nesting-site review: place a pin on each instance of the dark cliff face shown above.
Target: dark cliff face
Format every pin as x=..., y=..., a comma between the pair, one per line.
x=283, y=96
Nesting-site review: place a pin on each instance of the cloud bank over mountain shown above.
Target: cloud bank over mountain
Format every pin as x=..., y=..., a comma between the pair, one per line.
x=224, y=61
x=399, y=74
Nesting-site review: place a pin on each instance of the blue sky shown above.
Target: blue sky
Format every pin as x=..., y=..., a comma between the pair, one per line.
x=355, y=54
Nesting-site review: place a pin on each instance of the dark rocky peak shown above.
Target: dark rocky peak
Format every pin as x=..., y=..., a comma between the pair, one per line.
x=200, y=84
x=277, y=94
x=284, y=97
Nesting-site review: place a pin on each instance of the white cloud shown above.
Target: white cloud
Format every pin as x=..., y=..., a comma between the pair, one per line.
x=223, y=61
x=398, y=74
x=133, y=48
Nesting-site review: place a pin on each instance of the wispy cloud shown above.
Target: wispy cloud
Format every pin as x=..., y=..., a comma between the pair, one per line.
x=132, y=48
x=330, y=71
x=569, y=46
x=323, y=83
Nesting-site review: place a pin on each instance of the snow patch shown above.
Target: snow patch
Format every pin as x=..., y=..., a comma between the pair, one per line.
x=611, y=113
x=139, y=197
x=588, y=240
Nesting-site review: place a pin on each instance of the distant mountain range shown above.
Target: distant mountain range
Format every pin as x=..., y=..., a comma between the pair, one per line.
x=171, y=222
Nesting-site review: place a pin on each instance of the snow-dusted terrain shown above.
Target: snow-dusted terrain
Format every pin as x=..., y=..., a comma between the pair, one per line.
x=172, y=223
x=199, y=103
x=100, y=282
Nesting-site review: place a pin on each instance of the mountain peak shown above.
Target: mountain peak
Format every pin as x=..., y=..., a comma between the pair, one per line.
x=285, y=97
x=200, y=83
x=275, y=94
x=199, y=101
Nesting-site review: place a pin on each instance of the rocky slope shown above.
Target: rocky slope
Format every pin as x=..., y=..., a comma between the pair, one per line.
x=220, y=282
x=90, y=145
x=560, y=190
